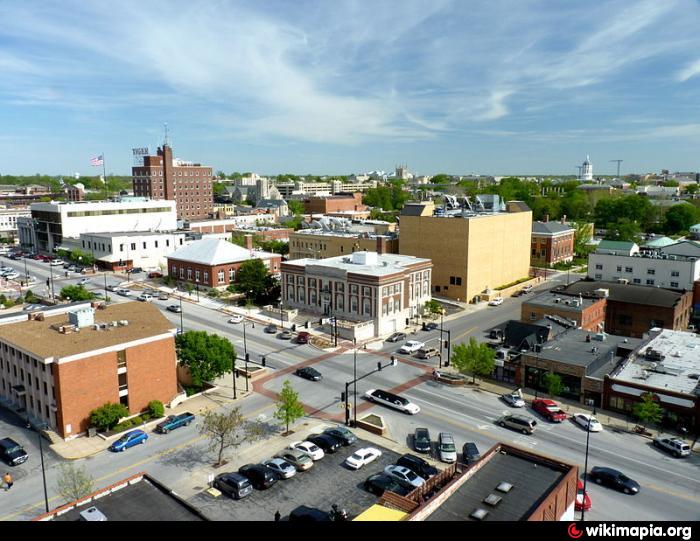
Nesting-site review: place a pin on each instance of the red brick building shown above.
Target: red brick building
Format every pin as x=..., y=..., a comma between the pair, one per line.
x=334, y=203
x=188, y=184
x=588, y=313
x=60, y=364
x=552, y=242
x=215, y=263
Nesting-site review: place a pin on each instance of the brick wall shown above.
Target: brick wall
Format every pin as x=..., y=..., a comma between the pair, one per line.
x=151, y=373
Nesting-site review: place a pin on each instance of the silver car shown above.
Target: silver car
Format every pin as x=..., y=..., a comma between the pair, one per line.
x=446, y=447
x=282, y=468
x=404, y=476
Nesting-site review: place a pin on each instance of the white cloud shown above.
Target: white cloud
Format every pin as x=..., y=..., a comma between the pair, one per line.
x=689, y=71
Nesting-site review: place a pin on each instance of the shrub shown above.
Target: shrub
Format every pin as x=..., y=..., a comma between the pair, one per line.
x=156, y=408
x=107, y=416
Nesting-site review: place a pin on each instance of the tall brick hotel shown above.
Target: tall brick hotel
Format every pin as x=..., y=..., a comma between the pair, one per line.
x=188, y=184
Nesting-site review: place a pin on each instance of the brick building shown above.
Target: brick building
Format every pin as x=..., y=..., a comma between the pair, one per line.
x=587, y=313
x=188, y=184
x=334, y=203
x=214, y=262
x=552, y=242
x=59, y=364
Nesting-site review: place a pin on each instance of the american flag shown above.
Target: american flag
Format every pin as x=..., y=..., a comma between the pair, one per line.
x=96, y=162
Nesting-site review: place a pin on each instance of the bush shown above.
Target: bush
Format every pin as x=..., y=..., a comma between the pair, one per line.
x=156, y=408
x=213, y=293
x=107, y=416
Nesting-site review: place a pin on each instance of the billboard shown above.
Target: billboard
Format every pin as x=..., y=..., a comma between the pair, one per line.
x=139, y=154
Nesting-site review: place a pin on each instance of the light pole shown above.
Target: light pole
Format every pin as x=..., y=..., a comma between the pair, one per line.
x=182, y=326
x=247, y=358
x=393, y=362
x=234, y=374
x=442, y=317
x=585, y=467
x=26, y=273
x=43, y=469
x=354, y=375
x=281, y=314
x=105, y=277
x=245, y=344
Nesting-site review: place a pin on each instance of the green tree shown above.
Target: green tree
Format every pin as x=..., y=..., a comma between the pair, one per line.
x=583, y=232
x=648, y=410
x=691, y=188
x=108, y=415
x=553, y=383
x=252, y=276
x=433, y=307
x=156, y=408
x=295, y=207
x=474, y=358
x=228, y=429
x=440, y=178
x=73, y=482
x=219, y=189
x=679, y=218
x=207, y=356
x=289, y=407
x=76, y=293
x=623, y=229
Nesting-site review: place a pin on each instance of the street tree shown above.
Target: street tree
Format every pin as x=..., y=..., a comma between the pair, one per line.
x=648, y=410
x=207, y=356
x=252, y=276
x=295, y=207
x=289, y=407
x=228, y=429
x=73, y=482
x=76, y=293
x=433, y=307
x=474, y=358
x=553, y=383
x=583, y=232
x=680, y=218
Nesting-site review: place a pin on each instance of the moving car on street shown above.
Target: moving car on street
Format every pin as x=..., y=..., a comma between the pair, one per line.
x=521, y=423
x=271, y=329
x=174, y=421
x=583, y=502
x=392, y=400
x=236, y=319
x=123, y=292
x=397, y=337
x=549, y=409
x=12, y=452
x=134, y=437
x=83, y=281
x=362, y=457
x=411, y=346
x=496, y=302
x=513, y=400
x=588, y=421
x=675, y=446
x=303, y=337
x=427, y=353
x=145, y=297
x=613, y=479
x=174, y=308
x=286, y=335
x=309, y=373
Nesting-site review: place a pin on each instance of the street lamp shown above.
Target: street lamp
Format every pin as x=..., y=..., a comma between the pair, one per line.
x=585, y=467
x=234, y=374
x=247, y=358
x=182, y=326
x=393, y=362
x=354, y=375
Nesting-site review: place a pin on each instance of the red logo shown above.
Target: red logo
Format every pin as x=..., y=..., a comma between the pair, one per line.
x=573, y=531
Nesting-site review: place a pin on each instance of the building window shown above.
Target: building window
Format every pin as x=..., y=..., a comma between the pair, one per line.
x=353, y=305
x=206, y=277
x=628, y=269
x=619, y=268
x=598, y=276
x=189, y=274
x=674, y=284
x=340, y=302
x=599, y=267
x=156, y=243
x=196, y=275
x=675, y=273
x=533, y=316
x=636, y=281
x=397, y=305
x=220, y=277
x=182, y=272
x=133, y=246
x=367, y=307
x=651, y=271
x=232, y=275
x=650, y=282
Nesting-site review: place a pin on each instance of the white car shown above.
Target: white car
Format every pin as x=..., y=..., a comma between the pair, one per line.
x=145, y=297
x=56, y=262
x=123, y=292
x=411, y=346
x=586, y=420
x=310, y=449
x=496, y=302
x=83, y=281
x=392, y=400
x=236, y=319
x=513, y=399
x=404, y=476
x=11, y=275
x=362, y=457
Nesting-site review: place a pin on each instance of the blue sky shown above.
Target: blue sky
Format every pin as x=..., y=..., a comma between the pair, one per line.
x=493, y=87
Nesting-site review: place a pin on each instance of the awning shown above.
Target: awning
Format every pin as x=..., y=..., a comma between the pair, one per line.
x=380, y=513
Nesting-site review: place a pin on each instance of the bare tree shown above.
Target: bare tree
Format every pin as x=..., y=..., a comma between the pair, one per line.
x=229, y=429
x=73, y=482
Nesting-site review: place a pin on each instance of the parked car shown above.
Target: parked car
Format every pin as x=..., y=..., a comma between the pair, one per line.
x=135, y=270
x=430, y=326
x=155, y=274
x=271, y=329
x=281, y=468
x=11, y=275
x=470, y=453
x=588, y=421
x=259, y=476
x=112, y=287
x=513, y=399
x=427, y=353
x=304, y=513
x=300, y=460
x=583, y=502
x=397, y=337
x=521, y=423
x=676, y=446
x=411, y=346
x=418, y=465
x=123, y=292
x=174, y=308
x=309, y=373
x=236, y=319
x=341, y=433
x=329, y=444
x=145, y=297
x=421, y=440
x=12, y=452
x=613, y=479
x=496, y=302
x=404, y=476
x=392, y=400
x=172, y=422
x=233, y=484
x=303, y=337
x=549, y=409
x=518, y=293
x=312, y=450
x=134, y=437
x=527, y=288
x=362, y=457
x=379, y=483
x=446, y=447
x=56, y=262
x=286, y=335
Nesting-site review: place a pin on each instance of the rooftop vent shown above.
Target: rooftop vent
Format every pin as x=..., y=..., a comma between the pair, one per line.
x=504, y=487
x=92, y=514
x=479, y=514
x=492, y=499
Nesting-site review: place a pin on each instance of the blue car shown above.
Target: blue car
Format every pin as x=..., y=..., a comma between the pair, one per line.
x=129, y=440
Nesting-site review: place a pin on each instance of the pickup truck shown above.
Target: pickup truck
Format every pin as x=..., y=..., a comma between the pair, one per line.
x=174, y=421
x=549, y=409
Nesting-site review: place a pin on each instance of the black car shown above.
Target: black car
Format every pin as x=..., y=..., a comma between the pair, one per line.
x=271, y=329
x=614, y=479
x=12, y=452
x=304, y=513
x=380, y=482
x=309, y=373
x=396, y=337
x=233, y=484
x=417, y=465
x=258, y=475
x=421, y=440
x=470, y=453
x=430, y=326
x=135, y=270
x=329, y=444
x=342, y=434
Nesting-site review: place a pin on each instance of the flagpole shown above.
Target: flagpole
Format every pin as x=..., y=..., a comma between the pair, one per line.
x=104, y=169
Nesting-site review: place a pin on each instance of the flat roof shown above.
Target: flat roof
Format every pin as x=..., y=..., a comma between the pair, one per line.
x=110, y=234
x=566, y=303
x=394, y=263
x=344, y=234
x=678, y=371
x=139, y=497
x=570, y=347
x=39, y=338
x=531, y=477
x=631, y=293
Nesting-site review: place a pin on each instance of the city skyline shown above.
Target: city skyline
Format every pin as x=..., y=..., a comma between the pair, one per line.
x=500, y=88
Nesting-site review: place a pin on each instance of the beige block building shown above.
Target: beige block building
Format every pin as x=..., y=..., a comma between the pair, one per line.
x=472, y=251
x=316, y=244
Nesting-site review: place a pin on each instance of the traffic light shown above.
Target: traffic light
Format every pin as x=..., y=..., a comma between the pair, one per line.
x=342, y=396
x=379, y=365
x=48, y=282
x=320, y=321
x=307, y=324
x=447, y=344
x=262, y=361
x=247, y=357
x=294, y=327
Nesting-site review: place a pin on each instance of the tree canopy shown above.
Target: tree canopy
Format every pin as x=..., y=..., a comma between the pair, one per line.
x=679, y=218
x=387, y=197
x=474, y=358
x=207, y=356
x=76, y=293
x=289, y=407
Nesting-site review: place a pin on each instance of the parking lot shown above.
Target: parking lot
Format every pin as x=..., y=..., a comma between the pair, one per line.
x=326, y=483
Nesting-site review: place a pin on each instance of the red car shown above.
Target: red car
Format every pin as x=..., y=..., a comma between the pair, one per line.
x=583, y=502
x=549, y=409
x=155, y=274
x=303, y=337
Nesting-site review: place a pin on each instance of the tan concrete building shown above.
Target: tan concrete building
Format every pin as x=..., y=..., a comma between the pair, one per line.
x=317, y=244
x=473, y=251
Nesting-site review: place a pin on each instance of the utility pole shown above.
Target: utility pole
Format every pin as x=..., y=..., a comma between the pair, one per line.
x=618, y=166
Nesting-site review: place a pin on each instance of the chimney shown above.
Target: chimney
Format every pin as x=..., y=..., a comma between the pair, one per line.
x=249, y=242
x=381, y=245
x=563, y=218
x=546, y=218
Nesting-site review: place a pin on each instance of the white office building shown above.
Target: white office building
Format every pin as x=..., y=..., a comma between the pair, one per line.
x=8, y=221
